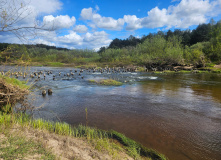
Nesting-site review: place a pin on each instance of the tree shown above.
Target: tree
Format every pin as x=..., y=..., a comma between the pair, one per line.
x=15, y=18
x=101, y=50
x=186, y=38
x=201, y=34
x=214, y=50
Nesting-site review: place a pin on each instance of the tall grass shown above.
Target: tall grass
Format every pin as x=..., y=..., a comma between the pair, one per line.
x=100, y=139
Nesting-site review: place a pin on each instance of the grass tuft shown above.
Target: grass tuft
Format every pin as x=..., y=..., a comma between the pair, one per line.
x=14, y=82
x=54, y=64
x=107, y=82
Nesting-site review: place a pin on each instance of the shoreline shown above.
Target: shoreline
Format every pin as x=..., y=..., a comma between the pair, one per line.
x=157, y=69
x=75, y=142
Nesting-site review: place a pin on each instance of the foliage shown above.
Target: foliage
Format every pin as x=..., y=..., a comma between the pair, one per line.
x=201, y=46
x=214, y=50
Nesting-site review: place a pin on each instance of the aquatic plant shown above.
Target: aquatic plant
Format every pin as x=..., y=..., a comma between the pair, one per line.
x=107, y=82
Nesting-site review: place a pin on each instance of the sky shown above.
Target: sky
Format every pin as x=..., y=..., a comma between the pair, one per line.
x=91, y=24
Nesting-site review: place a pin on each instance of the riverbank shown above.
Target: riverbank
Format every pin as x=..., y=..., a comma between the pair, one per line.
x=23, y=137
x=209, y=67
x=49, y=140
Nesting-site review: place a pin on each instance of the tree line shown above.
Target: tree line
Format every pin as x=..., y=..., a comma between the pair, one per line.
x=197, y=47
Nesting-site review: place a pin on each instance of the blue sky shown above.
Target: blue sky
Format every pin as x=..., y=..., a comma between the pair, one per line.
x=92, y=24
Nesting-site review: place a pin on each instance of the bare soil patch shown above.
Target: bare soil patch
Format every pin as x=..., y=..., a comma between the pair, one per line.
x=217, y=66
x=64, y=147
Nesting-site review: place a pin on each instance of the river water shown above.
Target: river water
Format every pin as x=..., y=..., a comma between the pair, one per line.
x=178, y=115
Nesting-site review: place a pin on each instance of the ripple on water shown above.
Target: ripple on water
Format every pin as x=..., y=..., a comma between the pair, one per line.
x=175, y=114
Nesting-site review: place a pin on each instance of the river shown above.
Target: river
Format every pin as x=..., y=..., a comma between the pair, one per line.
x=179, y=115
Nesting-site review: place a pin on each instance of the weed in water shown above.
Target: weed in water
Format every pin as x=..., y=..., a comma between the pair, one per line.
x=107, y=82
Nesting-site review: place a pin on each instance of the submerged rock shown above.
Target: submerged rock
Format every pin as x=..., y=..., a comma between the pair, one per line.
x=50, y=91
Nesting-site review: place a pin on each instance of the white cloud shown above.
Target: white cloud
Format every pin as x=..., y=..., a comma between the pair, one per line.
x=89, y=40
x=71, y=38
x=96, y=20
x=59, y=22
x=25, y=13
x=44, y=6
x=183, y=15
x=107, y=22
x=86, y=13
x=32, y=9
x=43, y=41
x=96, y=39
x=156, y=18
x=133, y=22
x=81, y=29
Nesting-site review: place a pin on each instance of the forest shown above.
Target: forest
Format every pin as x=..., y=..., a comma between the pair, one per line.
x=200, y=47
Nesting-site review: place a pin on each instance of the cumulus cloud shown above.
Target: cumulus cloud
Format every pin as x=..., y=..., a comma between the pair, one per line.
x=43, y=41
x=88, y=40
x=58, y=22
x=183, y=15
x=101, y=22
x=133, y=22
x=96, y=39
x=71, y=38
x=86, y=13
x=80, y=29
x=32, y=9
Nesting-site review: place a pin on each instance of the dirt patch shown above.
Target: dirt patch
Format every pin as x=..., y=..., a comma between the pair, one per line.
x=217, y=66
x=66, y=147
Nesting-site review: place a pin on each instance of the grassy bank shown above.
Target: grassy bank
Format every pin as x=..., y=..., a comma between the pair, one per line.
x=12, y=91
x=111, y=142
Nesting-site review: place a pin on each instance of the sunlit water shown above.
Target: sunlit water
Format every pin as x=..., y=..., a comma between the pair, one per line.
x=179, y=115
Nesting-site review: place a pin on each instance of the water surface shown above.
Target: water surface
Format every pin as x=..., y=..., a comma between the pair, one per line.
x=179, y=115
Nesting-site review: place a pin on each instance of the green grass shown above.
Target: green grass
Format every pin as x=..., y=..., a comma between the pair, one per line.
x=107, y=82
x=91, y=81
x=100, y=139
x=141, y=69
x=54, y=64
x=18, y=147
x=184, y=71
x=89, y=65
x=15, y=82
x=210, y=64
x=211, y=69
